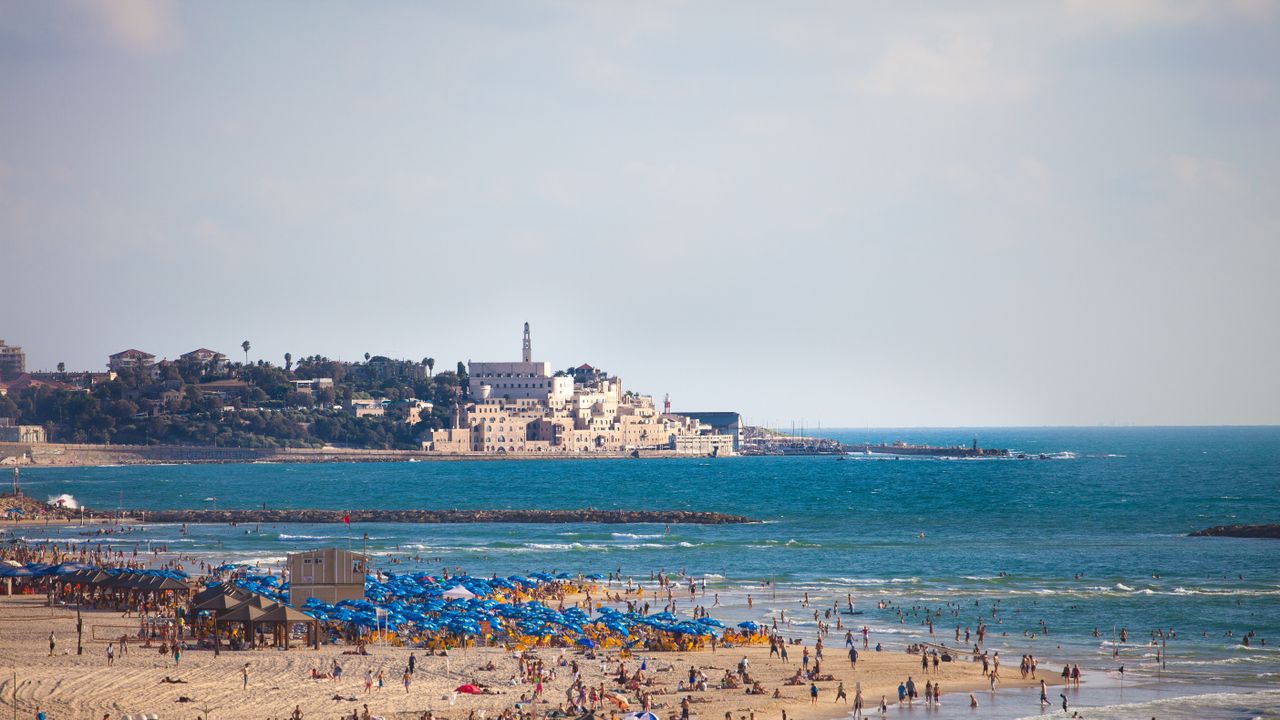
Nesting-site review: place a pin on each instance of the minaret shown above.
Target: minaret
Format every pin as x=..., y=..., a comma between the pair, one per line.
x=528, y=345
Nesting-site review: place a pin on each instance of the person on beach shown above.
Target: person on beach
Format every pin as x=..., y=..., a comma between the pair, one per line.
x=840, y=694
x=973, y=700
x=911, y=691
x=244, y=677
x=413, y=662
x=408, y=680
x=1044, y=694
x=813, y=693
x=902, y=693
x=853, y=657
x=928, y=693
x=111, y=654
x=53, y=643
x=368, y=680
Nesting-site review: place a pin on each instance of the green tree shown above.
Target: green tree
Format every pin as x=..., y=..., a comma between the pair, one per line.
x=366, y=357
x=62, y=367
x=431, y=365
x=245, y=345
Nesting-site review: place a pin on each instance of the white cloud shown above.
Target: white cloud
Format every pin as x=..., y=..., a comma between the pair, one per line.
x=139, y=26
x=1136, y=14
x=1197, y=173
x=962, y=68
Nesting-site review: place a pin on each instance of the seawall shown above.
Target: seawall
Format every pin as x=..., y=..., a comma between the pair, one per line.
x=438, y=516
x=73, y=455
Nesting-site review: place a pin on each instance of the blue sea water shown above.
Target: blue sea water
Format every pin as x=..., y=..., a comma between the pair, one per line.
x=1112, y=506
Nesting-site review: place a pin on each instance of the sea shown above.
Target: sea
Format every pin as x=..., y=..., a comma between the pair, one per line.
x=1056, y=553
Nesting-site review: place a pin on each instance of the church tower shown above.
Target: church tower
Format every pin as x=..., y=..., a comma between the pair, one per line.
x=528, y=345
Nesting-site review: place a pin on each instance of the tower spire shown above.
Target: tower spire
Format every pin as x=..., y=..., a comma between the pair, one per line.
x=528, y=345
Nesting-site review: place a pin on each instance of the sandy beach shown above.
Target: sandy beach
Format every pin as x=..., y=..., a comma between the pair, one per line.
x=69, y=686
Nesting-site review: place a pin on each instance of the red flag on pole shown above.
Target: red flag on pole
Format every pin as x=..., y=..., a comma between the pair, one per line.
x=346, y=519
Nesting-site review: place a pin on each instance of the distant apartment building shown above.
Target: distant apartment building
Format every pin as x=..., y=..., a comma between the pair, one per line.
x=128, y=359
x=13, y=361
x=204, y=356
x=366, y=407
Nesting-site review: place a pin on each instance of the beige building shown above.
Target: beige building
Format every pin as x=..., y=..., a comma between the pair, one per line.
x=130, y=359
x=522, y=408
x=25, y=434
x=330, y=575
x=13, y=361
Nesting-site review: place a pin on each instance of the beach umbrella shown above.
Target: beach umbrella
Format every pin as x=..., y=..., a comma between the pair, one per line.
x=640, y=716
x=458, y=593
x=16, y=511
x=470, y=689
x=748, y=625
x=586, y=642
x=710, y=621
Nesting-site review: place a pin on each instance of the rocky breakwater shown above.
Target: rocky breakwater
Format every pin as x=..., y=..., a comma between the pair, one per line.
x=439, y=516
x=1241, y=531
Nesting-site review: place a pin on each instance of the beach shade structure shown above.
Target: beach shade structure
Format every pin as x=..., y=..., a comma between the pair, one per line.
x=221, y=603
x=470, y=689
x=246, y=614
x=219, y=589
x=285, y=616
x=458, y=592
x=749, y=626
x=586, y=642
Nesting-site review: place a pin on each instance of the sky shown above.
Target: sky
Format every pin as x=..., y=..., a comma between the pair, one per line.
x=853, y=214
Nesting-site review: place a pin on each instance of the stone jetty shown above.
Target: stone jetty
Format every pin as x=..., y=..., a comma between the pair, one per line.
x=1241, y=531
x=589, y=515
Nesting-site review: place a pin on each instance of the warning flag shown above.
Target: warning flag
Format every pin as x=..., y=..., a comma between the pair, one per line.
x=346, y=519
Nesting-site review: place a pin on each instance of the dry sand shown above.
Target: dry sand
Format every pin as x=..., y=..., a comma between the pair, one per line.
x=68, y=686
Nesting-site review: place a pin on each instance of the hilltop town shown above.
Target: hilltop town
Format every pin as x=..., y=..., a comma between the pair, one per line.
x=204, y=399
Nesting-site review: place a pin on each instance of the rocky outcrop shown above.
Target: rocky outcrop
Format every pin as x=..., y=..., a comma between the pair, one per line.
x=1242, y=531
x=439, y=516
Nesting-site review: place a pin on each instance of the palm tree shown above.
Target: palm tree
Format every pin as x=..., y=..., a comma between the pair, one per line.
x=431, y=365
x=245, y=345
x=288, y=362
x=366, y=357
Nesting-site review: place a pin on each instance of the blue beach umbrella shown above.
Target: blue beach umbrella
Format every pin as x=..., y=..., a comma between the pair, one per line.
x=748, y=625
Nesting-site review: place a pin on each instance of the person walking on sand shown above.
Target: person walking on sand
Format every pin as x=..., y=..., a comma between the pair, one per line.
x=368, y=680
x=408, y=680
x=53, y=643
x=244, y=677
x=853, y=657
x=813, y=693
x=111, y=654
x=840, y=694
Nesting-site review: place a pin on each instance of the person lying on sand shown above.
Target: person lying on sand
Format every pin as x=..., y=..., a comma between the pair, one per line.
x=172, y=681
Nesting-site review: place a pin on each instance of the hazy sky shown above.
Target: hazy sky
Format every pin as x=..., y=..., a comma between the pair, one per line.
x=853, y=213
